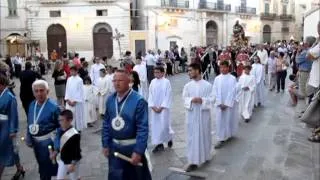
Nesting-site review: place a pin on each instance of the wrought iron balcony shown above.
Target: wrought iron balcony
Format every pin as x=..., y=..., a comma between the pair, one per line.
x=175, y=3
x=53, y=1
x=215, y=6
x=246, y=10
x=268, y=16
x=286, y=17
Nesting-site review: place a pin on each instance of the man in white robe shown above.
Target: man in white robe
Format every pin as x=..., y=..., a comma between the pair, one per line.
x=141, y=69
x=224, y=94
x=159, y=101
x=197, y=102
x=104, y=86
x=246, y=87
x=74, y=97
x=259, y=75
x=95, y=71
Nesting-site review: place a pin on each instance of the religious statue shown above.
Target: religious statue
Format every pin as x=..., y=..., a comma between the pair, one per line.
x=239, y=39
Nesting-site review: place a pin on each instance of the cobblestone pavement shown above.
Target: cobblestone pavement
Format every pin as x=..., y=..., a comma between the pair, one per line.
x=273, y=146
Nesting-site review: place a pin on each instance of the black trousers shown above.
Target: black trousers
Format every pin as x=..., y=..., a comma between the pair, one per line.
x=150, y=74
x=281, y=79
x=17, y=69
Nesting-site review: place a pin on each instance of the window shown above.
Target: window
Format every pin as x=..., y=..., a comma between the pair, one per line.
x=102, y=12
x=266, y=8
x=284, y=9
x=55, y=13
x=285, y=29
x=12, y=7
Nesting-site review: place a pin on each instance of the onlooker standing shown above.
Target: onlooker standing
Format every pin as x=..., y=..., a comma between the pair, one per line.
x=54, y=55
x=304, y=65
x=272, y=71
x=83, y=71
x=9, y=63
x=176, y=60
x=184, y=59
x=281, y=66
x=27, y=77
x=66, y=67
x=76, y=61
x=17, y=61
x=60, y=79
x=151, y=63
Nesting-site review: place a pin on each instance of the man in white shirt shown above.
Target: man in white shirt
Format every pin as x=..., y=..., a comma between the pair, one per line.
x=151, y=63
x=17, y=62
x=141, y=69
x=75, y=98
x=314, y=56
x=95, y=70
x=262, y=54
x=160, y=99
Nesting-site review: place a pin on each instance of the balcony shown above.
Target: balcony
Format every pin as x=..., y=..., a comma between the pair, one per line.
x=175, y=3
x=286, y=17
x=215, y=6
x=100, y=1
x=53, y=1
x=245, y=10
x=268, y=16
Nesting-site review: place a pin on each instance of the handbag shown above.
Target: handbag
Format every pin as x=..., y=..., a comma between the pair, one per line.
x=311, y=116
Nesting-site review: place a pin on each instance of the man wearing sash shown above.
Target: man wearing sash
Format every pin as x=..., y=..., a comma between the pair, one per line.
x=42, y=123
x=125, y=131
x=67, y=142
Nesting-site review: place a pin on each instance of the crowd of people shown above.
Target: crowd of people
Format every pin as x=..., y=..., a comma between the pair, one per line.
x=139, y=93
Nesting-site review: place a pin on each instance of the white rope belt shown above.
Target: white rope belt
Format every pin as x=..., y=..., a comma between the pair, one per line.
x=50, y=135
x=3, y=117
x=125, y=142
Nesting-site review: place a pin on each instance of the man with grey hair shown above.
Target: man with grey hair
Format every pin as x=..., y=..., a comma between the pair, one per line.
x=42, y=123
x=304, y=65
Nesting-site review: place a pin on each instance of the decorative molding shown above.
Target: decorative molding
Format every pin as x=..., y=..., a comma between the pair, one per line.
x=53, y=1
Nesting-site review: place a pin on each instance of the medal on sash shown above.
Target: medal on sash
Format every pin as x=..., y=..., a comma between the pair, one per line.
x=118, y=122
x=34, y=128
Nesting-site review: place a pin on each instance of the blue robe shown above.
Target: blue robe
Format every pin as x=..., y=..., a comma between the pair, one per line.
x=48, y=122
x=135, y=115
x=8, y=125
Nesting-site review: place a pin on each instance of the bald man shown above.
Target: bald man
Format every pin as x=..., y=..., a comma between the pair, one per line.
x=125, y=130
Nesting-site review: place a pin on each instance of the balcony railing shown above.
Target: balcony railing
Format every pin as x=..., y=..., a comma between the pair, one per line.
x=175, y=3
x=246, y=10
x=53, y=1
x=215, y=6
x=286, y=17
x=268, y=16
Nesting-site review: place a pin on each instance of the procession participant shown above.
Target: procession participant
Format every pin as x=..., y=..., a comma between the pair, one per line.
x=160, y=99
x=262, y=54
x=95, y=71
x=75, y=98
x=42, y=123
x=142, y=72
x=272, y=71
x=104, y=86
x=246, y=94
x=8, y=129
x=67, y=145
x=197, y=102
x=90, y=102
x=125, y=130
x=259, y=75
x=17, y=62
x=224, y=93
x=242, y=60
x=27, y=77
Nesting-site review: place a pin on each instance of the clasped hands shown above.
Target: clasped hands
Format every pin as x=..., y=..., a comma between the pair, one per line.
x=157, y=109
x=197, y=100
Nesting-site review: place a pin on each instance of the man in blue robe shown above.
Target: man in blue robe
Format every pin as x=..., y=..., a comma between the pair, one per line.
x=42, y=123
x=125, y=130
x=8, y=125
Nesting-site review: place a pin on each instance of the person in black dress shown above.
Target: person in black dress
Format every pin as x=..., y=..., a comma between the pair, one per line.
x=27, y=77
